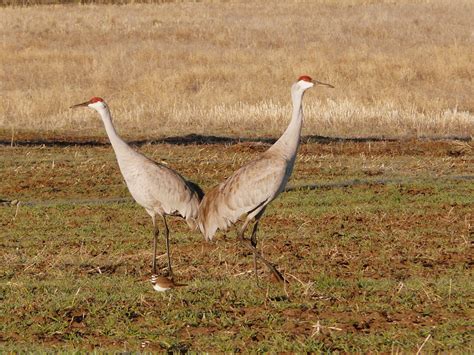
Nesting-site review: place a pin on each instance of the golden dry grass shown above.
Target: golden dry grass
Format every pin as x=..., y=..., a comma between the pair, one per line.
x=400, y=69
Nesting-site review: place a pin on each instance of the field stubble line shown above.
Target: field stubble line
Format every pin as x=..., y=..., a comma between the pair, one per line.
x=199, y=139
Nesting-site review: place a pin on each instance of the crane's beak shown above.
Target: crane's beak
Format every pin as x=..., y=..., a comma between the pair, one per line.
x=321, y=83
x=80, y=105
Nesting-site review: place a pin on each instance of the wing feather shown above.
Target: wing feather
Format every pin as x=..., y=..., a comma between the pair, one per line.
x=160, y=189
x=252, y=186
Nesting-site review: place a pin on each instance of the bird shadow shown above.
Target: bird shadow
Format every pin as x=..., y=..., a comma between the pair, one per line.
x=198, y=139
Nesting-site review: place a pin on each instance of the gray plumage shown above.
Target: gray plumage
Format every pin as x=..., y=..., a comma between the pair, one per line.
x=157, y=188
x=250, y=189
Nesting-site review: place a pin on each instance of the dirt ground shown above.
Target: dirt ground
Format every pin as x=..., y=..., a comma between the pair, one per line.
x=381, y=262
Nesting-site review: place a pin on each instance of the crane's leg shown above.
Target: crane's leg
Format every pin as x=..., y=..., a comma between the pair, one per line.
x=167, y=236
x=155, y=237
x=269, y=265
x=240, y=236
x=253, y=241
x=252, y=246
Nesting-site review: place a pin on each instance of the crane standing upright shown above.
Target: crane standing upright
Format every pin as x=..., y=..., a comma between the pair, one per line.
x=251, y=188
x=159, y=189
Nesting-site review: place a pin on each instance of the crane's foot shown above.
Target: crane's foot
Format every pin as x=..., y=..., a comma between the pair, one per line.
x=277, y=274
x=256, y=254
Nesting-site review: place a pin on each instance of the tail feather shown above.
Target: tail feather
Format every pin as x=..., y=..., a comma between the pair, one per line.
x=191, y=214
x=214, y=214
x=196, y=188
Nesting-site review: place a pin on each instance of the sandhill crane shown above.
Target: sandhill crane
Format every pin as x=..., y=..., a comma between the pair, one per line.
x=251, y=188
x=159, y=189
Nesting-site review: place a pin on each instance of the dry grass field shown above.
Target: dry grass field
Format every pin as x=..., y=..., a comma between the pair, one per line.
x=400, y=68
x=379, y=256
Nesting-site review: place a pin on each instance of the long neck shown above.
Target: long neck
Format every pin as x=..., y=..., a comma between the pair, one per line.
x=288, y=143
x=118, y=143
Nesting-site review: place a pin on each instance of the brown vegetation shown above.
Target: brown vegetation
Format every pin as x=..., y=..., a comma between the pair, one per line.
x=401, y=69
